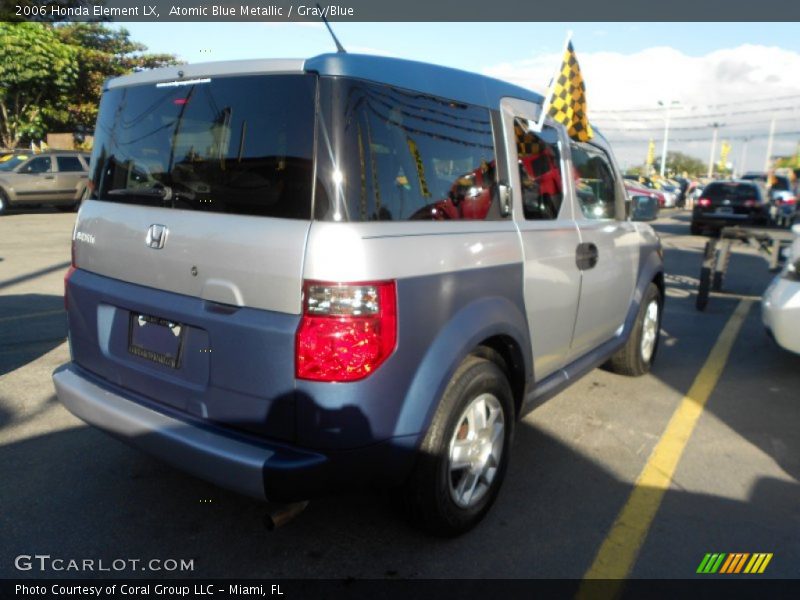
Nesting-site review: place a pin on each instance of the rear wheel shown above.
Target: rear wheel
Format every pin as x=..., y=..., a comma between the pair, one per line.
x=464, y=456
x=639, y=351
x=695, y=228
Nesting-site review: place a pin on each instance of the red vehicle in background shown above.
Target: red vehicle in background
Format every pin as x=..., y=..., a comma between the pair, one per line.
x=640, y=190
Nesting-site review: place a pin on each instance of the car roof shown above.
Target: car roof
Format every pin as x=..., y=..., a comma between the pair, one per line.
x=453, y=84
x=436, y=80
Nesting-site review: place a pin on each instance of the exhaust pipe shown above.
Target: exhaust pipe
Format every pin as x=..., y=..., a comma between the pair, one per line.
x=280, y=514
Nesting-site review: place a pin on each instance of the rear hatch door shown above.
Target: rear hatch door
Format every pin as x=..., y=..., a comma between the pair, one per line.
x=190, y=249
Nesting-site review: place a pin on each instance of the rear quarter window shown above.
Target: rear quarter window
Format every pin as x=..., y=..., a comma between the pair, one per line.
x=69, y=164
x=388, y=154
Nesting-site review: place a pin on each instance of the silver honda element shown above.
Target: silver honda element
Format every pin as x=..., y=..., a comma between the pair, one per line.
x=293, y=276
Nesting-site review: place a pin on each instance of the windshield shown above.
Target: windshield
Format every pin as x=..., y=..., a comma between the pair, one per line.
x=231, y=144
x=9, y=162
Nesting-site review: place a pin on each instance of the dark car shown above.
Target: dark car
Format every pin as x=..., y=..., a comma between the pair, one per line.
x=735, y=202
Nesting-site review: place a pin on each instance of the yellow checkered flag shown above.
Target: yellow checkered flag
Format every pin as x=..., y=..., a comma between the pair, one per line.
x=527, y=142
x=567, y=104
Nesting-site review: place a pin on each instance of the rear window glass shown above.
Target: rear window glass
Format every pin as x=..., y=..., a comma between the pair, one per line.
x=387, y=154
x=240, y=145
x=68, y=164
x=731, y=191
x=780, y=183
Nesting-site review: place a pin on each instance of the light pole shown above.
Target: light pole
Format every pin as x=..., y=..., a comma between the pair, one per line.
x=716, y=126
x=768, y=159
x=744, y=156
x=666, y=106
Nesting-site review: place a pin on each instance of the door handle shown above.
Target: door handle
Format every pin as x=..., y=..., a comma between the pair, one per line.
x=586, y=256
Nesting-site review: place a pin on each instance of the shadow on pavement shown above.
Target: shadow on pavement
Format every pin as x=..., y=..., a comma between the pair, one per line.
x=80, y=494
x=35, y=274
x=30, y=326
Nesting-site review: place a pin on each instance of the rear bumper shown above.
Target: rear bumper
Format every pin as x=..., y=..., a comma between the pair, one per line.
x=754, y=217
x=262, y=470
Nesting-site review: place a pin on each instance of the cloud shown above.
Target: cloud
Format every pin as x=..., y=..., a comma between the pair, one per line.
x=618, y=81
x=740, y=87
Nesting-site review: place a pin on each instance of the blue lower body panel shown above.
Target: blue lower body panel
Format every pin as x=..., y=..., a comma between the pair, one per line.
x=258, y=468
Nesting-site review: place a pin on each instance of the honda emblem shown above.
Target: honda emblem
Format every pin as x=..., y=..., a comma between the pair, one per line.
x=156, y=236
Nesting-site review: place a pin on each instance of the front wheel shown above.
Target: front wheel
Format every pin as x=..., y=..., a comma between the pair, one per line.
x=464, y=456
x=637, y=355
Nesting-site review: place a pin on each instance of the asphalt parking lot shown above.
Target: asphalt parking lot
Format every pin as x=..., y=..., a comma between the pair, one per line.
x=70, y=491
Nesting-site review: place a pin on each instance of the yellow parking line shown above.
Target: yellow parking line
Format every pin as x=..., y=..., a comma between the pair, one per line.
x=43, y=313
x=619, y=550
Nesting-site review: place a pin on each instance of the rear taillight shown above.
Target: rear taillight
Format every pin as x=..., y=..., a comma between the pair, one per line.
x=791, y=200
x=704, y=202
x=347, y=331
x=750, y=202
x=68, y=274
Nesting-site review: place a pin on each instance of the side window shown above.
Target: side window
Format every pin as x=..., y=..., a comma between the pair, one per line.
x=69, y=164
x=539, y=170
x=403, y=156
x=595, y=184
x=40, y=164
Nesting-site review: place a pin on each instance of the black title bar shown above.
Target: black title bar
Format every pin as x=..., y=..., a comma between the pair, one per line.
x=405, y=10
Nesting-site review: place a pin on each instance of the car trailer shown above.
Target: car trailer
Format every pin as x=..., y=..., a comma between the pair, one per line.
x=718, y=254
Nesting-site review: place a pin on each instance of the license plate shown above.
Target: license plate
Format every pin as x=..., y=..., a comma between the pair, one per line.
x=724, y=210
x=156, y=339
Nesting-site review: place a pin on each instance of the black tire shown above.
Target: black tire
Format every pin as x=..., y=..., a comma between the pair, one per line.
x=68, y=207
x=428, y=498
x=630, y=359
x=703, y=289
x=695, y=228
x=4, y=203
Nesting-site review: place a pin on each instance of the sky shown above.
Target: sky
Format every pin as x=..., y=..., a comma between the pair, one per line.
x=740, y=76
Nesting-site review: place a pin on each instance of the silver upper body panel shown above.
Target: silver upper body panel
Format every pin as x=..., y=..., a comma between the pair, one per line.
x=229, y=259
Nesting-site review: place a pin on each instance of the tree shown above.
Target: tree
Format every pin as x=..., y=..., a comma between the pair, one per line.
x=51, y=75
x=790, y=162
x=36, y=70
x=679, y=163
x=102, y=52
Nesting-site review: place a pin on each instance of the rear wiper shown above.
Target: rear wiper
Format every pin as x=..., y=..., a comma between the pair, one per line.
x=161, y=192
